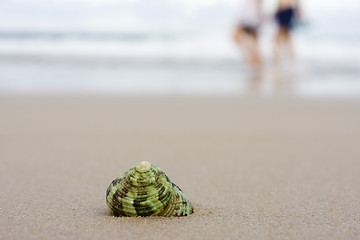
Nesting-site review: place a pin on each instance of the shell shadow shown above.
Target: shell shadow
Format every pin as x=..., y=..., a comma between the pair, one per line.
x=200, y=210
x=103, y=212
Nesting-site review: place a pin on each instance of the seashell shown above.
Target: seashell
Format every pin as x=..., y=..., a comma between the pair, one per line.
x=145, y=190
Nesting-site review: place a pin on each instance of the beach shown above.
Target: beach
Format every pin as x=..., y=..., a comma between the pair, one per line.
x=90, y=88
x=253, y=167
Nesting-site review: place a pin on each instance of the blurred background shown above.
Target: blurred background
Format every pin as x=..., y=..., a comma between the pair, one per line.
x=172, y=47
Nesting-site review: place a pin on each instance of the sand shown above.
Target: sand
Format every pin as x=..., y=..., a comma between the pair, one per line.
x=254, y=168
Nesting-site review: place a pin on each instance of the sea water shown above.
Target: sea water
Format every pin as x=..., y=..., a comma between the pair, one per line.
x=174, y=63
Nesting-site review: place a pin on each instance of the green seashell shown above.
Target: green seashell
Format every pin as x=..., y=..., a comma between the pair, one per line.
x=145, y=190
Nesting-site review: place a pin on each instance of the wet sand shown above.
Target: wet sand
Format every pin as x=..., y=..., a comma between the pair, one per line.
x=254, y=168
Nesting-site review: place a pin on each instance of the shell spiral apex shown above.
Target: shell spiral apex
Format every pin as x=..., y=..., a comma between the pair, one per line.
x=145, y=190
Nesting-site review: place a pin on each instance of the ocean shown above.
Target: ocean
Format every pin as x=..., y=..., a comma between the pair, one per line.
x=174, y=63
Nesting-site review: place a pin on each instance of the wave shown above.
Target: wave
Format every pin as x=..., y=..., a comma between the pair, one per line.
x=99, y=36
x=161, y=47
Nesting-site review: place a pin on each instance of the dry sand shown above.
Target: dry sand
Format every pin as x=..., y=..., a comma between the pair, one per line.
x=253, y=168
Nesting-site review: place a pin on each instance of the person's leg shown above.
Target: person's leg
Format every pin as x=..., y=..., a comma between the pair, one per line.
x=277, y=45
x=289, y=45
x=240, y=39
x=255, y=51
x=243, y=40
x=238, y=35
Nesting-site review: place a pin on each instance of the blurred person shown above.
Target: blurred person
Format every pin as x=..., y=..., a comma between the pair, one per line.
x=246, y=33
x=286, y=13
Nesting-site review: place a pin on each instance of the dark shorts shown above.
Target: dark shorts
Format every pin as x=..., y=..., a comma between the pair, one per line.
x=252, y=31
x=285, y=18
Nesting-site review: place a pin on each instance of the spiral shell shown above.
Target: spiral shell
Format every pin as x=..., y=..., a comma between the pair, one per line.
x=145, y=190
